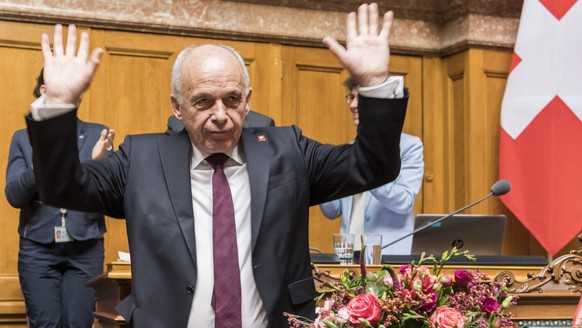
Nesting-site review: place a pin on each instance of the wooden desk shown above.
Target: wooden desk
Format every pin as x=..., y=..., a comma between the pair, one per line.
x=520, y=272
x=111, y=288
x=555, y=301
x=549, y=292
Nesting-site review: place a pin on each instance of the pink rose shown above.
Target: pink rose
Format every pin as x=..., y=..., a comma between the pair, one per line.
x=324, y=313
x=446, y=317
x=363, y=306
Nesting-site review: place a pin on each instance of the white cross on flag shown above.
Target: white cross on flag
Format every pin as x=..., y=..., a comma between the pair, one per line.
x=541, y=122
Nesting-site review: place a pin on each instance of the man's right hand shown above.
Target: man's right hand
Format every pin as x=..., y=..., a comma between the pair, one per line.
x=68, y=72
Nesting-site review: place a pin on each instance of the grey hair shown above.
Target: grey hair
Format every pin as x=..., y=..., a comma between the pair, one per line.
x=177, y=70
x=350, y=83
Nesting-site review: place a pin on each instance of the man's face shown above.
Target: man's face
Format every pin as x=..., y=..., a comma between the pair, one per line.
x=352, y=100
x=213, y=106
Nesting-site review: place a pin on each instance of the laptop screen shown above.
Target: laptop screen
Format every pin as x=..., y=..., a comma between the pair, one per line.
x=480, y=234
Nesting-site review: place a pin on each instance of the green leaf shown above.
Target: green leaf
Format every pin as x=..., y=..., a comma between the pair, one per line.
x=329, y=324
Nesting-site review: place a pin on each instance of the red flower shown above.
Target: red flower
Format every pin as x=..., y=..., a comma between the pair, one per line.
x=489, y=305
x=363, y=306
x=463, y=277
x=430, y=303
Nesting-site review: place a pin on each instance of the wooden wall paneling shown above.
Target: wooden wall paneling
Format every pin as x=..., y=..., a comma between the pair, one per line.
x=494, y=72
x=12, y=309
x=477, y=180
x=454, y=132
x=313, y=99
x=20, y=65
x=487, y=74
x=266, y=75
x=437, y=182
x=442, y=80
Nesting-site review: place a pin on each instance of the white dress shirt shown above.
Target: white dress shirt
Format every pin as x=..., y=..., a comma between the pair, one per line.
x=202, y=313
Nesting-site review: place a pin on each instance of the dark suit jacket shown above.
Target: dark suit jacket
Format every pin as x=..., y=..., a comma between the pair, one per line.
x=147, y=181
x=253, y=120
x=37, y=220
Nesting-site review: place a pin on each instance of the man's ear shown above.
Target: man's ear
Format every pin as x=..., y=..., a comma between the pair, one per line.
x=42, y=89
x=175, y=107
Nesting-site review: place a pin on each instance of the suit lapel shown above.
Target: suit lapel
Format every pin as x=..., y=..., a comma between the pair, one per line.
x=175, y=153
x=256, y=149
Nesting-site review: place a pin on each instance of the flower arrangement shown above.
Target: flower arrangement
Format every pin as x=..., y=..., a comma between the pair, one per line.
x=418, y=297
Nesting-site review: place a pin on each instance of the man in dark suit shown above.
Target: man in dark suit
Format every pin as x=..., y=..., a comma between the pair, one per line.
x=161, y=183
x=252, y=120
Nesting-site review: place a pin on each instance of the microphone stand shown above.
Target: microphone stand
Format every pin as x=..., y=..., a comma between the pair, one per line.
x=437, y=221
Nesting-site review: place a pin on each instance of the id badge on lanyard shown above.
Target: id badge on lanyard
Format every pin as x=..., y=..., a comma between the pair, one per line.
x=61, y=234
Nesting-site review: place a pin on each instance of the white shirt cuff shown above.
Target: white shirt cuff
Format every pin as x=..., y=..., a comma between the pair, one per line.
x=41, y=111
x=392, y=88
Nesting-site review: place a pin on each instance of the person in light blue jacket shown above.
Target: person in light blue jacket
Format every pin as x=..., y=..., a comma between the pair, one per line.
x=389, y=209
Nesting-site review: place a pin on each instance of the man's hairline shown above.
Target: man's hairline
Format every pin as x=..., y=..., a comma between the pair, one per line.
x=177, y=68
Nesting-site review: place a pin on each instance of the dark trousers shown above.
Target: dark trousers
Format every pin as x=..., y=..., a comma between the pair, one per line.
x=53, y=279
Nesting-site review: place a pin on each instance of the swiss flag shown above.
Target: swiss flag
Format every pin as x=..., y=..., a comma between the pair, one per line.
x=541, y=122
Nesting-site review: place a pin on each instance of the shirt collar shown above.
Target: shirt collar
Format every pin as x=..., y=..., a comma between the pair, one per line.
x=199, y=156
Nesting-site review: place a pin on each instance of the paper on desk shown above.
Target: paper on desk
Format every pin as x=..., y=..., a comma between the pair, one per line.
x=123, y=256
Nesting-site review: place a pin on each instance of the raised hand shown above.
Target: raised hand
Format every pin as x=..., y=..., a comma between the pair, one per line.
x=68, y=72
x=367, y=53
x=103, y=145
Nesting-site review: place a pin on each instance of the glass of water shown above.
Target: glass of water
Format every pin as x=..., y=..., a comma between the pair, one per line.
x=343, y=245
x=373, y=252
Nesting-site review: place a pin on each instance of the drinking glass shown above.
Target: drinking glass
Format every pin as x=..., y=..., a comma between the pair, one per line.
x=373, y=251
x=343, y=245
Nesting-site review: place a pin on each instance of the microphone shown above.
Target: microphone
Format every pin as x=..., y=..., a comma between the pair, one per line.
x=501, y=187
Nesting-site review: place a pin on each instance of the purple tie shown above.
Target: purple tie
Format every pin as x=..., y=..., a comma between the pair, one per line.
x=227, y=291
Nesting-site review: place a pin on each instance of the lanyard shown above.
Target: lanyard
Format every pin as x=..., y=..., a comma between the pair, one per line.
x=63, y=214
